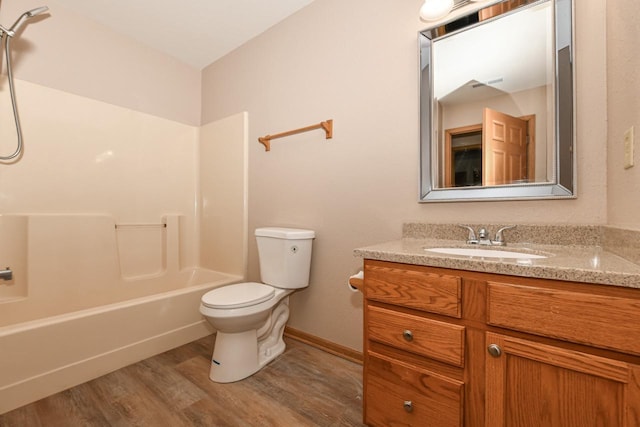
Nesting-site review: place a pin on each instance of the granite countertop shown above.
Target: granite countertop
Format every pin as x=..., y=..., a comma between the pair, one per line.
x=588, y=263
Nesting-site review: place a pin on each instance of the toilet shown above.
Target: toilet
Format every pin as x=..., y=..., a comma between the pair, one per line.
x=250, y=317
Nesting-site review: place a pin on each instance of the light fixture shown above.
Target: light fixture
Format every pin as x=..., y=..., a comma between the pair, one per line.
x=432, y=10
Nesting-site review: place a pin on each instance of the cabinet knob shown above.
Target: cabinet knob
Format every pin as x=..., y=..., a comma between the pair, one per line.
x=408, y=335
x=494, y=350
x=408, y=406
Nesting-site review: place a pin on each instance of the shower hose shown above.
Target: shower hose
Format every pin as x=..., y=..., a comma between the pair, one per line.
x=13, y=101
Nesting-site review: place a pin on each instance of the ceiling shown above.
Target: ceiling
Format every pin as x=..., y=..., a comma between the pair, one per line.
x=197, y=32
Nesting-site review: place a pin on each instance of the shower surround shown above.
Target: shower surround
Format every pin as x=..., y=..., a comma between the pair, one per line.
x=114, y=223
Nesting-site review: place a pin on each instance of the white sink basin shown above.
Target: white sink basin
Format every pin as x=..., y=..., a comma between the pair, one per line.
x=485, y=253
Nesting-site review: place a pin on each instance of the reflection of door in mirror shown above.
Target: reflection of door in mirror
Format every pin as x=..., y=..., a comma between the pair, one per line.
x=499, y=151
x=504, y=147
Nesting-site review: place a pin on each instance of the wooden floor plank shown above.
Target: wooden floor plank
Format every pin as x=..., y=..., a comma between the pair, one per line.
x=305, y=387
x=73, y=407
x=245, y=402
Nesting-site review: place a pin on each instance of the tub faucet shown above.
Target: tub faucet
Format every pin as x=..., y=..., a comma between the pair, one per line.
x=6, y=274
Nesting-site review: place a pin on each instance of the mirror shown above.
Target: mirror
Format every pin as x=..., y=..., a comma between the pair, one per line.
x=496, y=99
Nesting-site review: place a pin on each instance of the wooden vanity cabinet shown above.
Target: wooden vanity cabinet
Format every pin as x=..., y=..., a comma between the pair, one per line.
x=414, y=347
x=455, y=348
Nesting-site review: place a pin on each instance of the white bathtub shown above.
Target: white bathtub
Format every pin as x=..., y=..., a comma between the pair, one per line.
x=84, y=302
x=45, y=356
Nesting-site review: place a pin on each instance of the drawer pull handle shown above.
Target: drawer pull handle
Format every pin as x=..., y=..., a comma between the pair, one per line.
x=408, y=406
x=494, y=350
x=408, y=336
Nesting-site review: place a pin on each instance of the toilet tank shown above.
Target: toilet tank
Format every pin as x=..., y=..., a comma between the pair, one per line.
x=285, y=256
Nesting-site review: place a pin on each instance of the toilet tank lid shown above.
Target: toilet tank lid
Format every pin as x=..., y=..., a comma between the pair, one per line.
x=285, y=233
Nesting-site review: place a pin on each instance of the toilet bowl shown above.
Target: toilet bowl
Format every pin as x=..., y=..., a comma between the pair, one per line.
x=250, y=317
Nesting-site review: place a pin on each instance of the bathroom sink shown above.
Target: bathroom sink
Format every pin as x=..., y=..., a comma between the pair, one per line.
x=486, y=253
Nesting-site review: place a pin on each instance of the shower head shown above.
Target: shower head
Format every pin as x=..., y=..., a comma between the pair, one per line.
x=23, y=19
x=38, y=11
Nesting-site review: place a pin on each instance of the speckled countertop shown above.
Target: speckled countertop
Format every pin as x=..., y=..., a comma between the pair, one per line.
x=589, y=254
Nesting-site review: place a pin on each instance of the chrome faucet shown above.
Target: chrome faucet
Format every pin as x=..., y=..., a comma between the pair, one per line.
x=499, y=239
x=483, y=236
x=6, y=274
x=472, y=239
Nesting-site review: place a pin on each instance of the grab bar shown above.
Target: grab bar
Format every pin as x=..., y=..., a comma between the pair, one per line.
x=163, y=225
x=6, y=274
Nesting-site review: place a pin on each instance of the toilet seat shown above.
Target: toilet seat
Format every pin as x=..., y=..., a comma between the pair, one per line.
x=238, y=295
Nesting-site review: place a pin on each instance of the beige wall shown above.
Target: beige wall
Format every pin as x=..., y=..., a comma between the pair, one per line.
x=357, y=62
x=623, y=102
x=77, y=55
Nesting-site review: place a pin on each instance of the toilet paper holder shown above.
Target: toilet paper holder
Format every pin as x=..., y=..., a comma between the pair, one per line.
x=356, y=282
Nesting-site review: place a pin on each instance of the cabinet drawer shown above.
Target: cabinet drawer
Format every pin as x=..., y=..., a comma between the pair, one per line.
x=598, y=320
x=414, y=288
x=401, y=395
x=431, y=338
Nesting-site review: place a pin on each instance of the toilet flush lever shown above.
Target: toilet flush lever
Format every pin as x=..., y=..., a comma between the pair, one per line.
x=6, y=274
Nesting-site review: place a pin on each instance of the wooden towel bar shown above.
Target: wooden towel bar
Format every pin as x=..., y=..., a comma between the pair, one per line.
x=326, y=125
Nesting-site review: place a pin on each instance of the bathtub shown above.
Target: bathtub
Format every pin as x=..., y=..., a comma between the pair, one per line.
x=48, y=355
x=61, y=327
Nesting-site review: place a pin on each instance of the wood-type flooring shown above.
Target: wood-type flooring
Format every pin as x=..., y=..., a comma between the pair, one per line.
x=303, y=387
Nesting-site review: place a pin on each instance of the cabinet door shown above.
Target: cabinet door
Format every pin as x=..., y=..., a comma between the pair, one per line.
x=531, y=385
